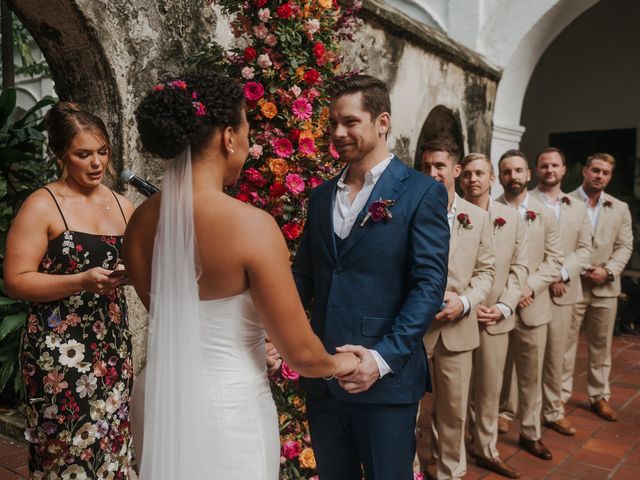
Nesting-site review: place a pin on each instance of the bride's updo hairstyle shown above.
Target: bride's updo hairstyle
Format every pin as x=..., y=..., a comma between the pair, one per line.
x=186, y=111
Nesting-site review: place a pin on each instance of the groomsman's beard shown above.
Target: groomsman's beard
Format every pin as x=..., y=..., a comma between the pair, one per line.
x=550, y=183
x=515, y=188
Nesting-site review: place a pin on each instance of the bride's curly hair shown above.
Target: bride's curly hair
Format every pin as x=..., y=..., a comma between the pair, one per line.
x=186, y=111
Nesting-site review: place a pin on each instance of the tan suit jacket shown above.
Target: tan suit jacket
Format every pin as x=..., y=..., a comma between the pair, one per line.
x=544, y=261
x=510, y=246
x=471, y=273
x=575, y=236
x=612, y=242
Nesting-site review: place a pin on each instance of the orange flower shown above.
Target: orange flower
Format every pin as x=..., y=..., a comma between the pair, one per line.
x=269, y=109
x=278, y=166
x=326, y=4
x=306, y=134
x=300, y=73
x=307, y=459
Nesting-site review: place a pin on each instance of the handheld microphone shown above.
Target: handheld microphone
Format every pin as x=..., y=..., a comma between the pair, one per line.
x=142, y=186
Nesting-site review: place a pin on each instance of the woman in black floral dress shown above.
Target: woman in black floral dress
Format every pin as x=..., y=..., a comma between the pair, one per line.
x=63, y=254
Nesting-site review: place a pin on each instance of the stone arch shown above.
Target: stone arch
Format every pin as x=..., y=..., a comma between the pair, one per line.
x=519, y=67
x=441, y=122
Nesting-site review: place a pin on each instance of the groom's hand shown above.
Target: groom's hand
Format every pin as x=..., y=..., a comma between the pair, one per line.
x=367, y=373
x=453, y=308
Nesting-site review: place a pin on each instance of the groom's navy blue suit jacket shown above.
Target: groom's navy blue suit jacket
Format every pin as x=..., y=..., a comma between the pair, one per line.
x=384, y=286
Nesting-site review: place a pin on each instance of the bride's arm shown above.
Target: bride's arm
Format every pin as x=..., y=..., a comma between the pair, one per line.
x=137, y=248
x=274, y=293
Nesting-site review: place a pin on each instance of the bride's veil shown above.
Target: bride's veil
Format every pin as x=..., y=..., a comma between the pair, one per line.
x=175, y=414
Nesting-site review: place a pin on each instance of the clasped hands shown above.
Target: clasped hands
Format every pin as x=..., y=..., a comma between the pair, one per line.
x=356, y=369
x=595, y=275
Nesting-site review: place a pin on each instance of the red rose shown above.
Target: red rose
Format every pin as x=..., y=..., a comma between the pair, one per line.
x=294, y=134
x=318, y=49
x=311, y=76
x=531, y=215
x=291, y=230
x=260, y=3
x=499, y=222
x=290, y=449
x=250, y=54
x=277, y=189
x=284, y=11
x=243, y=197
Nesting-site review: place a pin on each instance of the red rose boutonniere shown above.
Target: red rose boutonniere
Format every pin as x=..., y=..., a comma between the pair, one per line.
x=530, y=216
x=464, y=221
x=498, y=223
x=378, y=210
x=566, y=200
x=607, y=204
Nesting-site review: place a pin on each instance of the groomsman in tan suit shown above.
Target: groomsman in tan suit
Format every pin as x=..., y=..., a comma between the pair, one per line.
x=453, y=334
x=566, y=290
x=612, y=247
x=528, y=338
x=495, y=314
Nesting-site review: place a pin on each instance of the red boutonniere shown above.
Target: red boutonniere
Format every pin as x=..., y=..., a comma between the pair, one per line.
x=530, y=216
x=379, y=210
x=566, y=200
x=607, y=204
x=498, y=223
x=464, y=221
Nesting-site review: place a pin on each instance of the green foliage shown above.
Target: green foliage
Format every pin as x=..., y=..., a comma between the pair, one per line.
x=23, y=168
x=23, y=43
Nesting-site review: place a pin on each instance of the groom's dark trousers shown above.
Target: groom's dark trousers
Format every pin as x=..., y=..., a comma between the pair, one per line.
x=380, y=287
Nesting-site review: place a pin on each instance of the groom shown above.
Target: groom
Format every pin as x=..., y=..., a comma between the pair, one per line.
x=372, y=267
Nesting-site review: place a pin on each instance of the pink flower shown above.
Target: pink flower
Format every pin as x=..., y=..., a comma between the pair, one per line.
x=179, y=84
x=271, y=40
x=291, y=230
x=314, y=182
x=255, y=151
x=253, y=91
x=264, y=61
x=260, y=31
x=302, y=109
x=418, y=476
x=296, y=90
x=312, y=26
x=290, y=449
x=248, y=73
x=307, y=146
x=255, y=177
x=332, y=150
x=295, y=183
x=264, y=14
x=282, y=147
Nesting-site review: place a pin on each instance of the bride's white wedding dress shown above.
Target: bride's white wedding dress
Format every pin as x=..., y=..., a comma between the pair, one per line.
x=204, y=399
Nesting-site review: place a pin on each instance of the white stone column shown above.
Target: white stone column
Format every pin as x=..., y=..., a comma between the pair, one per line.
x=504, y=137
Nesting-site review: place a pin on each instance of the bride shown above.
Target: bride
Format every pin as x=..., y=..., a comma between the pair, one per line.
x=214, y=274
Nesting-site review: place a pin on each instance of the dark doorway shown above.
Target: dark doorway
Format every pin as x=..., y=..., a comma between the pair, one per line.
x=577, y=146
x=440, y=123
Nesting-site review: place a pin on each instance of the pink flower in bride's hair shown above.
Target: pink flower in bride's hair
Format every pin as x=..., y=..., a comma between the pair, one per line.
x=287, y=373
x=307, y=146
x=290, y=449
x=302, y=109
x=253, y=91
x=295, y=183
x=282, y=147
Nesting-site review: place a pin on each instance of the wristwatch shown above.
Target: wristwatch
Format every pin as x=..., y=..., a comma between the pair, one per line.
x=610, y=276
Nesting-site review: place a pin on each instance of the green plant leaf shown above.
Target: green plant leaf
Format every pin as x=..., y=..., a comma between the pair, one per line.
x=12, y=324
x=7, y=105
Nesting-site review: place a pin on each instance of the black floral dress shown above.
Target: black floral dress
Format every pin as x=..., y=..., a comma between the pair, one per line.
x=78, y=371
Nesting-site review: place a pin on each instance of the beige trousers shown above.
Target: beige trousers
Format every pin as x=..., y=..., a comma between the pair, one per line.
x=598, y=315
x=484, y=401
x=526, y=352
x=557, y=341
x=450, y=378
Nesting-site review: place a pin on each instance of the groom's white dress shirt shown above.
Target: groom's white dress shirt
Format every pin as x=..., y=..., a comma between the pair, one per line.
x=345, y=214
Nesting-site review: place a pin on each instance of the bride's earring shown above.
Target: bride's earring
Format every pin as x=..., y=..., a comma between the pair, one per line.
x=230, y=150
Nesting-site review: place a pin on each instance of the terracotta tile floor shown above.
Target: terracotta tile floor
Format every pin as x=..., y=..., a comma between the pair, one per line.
x=600, y=450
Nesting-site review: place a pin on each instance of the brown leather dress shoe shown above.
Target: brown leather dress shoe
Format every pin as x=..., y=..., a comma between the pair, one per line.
x=498, y=466
x=604, y=410
x=503, y=425
x=562, y=426
x=535, y=448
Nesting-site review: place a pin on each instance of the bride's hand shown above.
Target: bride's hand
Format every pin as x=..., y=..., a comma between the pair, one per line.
x=345, y=363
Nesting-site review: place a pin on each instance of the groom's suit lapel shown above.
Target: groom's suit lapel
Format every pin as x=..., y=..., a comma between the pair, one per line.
x=326, y=218
x=388, y=187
